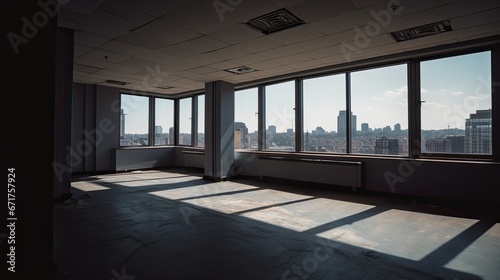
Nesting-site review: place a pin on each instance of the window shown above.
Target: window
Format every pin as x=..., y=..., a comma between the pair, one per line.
x=185, y=116
x=456, y=104
x=134, y=120
x=323, y=99
x=164, y=122
x=379, y=111
x=280, y=116
x=246, y=119
x=201, y=121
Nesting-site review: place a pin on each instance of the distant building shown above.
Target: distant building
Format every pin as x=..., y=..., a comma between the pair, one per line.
x=386, y=146
x=387, y=129
x=306, y=142
x=319, y=131
x=478, y=133
x=289, y=131
x=238, y=134
x=171, y=136
x=397, y=127
x=365, y=127
x=271, y=129
x=449, y=144
x=122, y=124
x=243, y=135
x=341, y=124
x=158, y=129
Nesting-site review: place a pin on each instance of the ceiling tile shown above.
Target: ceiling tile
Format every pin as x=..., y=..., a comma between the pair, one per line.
x=204, y=69
x=167, y=32
x=80, y=50
x=249, y=59
x=296, y=58
x=203, y=44
x=264, y=65
x=225, y=65
x=156, y=57
x=416, y=19
x=315, y=44
x=92, y=62
x=490, y=29
x=89, y=39
x=476, y=19
x=464, y=8
x=177, y=51
x=230, y=52
x=122, y=48
x=315, y=10
x=259, y=45
x=137, y=39
x=342, y=22
x=296, y=34
x=278, y=52
x=235, y=34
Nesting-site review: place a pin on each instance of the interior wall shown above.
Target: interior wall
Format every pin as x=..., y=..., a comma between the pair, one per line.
x=440, y=179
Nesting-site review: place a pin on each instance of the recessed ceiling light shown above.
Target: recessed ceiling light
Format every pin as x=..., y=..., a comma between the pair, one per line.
x=421, y=31
x=116, y=82
x=275, y=21
x=241, y=70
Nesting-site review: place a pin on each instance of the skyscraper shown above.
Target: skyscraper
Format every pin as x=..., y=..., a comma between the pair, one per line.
x=478, y=133
x=341, y=124
x=365, y=127
x=122, y=124
x=171, y=136
x=397, y=127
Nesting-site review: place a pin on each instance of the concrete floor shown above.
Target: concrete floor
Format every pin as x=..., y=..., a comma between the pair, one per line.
x=172, y=224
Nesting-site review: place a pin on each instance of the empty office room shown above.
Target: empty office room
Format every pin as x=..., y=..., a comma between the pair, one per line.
x=224, y=139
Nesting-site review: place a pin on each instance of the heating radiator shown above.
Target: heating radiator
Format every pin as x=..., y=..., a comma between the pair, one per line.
x=325, y=171
x=193, y=159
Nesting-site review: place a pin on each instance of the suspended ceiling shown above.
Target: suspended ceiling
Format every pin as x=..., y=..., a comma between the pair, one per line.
x=172, y=47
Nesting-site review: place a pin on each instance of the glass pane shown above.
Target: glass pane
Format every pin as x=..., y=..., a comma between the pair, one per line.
x=246, y=119
x=134, y=120
x=164, y=121
x=379, y=107
x=324, y=99
x=280, y=116
x=456, y=104
x=201, y=120
x=185, y=115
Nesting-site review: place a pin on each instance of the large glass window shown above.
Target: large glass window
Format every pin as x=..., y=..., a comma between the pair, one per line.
x=456, y=104
x=185, y=115
x=379, y=111
x=164, y=121
x=280, y=116
x=134, y=120
x=201, y=121
x=323, y=99
x=246, y=119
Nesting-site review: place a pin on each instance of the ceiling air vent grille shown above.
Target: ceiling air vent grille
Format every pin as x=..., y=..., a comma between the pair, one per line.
x=114, y=82
x=241, y=70
x=421, y=31
x=275, y=21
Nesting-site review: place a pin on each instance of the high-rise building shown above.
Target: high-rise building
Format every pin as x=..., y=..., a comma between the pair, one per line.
x=238, y=134
x=171, y=136
x=243, y=134
x=365, y=127
x=271, y=129
x=122, y=124
x=397, y=127
x=386, y=146
x=158, y=129
x=319, y=131
x=341, y=124
x=478, y=133
x=387, y=129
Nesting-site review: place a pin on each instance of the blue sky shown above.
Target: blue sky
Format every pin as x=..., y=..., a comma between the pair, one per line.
x=452, y=89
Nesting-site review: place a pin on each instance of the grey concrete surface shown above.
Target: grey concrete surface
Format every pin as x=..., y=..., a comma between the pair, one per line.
x=172, y=224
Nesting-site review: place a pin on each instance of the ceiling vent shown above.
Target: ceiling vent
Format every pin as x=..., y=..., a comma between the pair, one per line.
x=241, y=70
x=275, y=21
x=421, y=31
x=114, y=82
x=164, y=87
